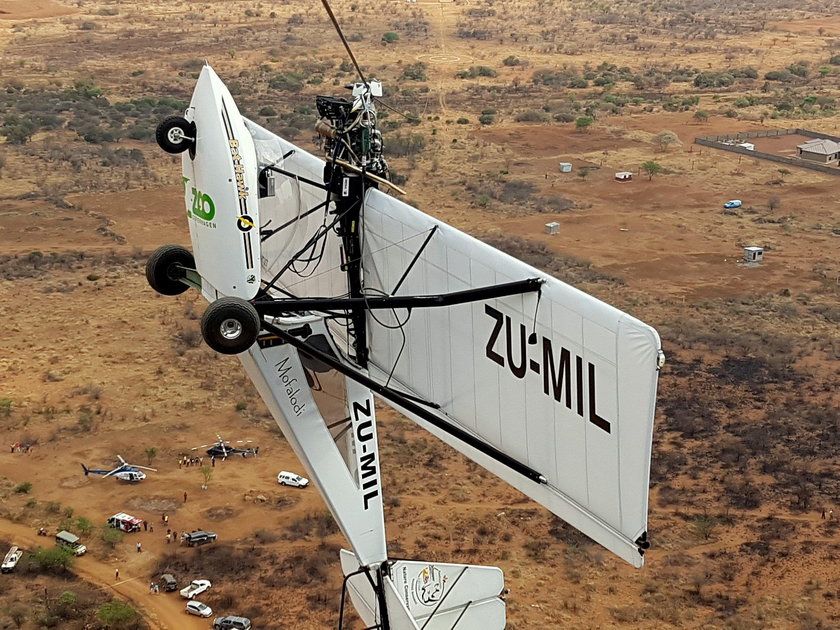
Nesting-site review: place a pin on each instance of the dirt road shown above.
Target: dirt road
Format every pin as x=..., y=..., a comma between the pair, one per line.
x=161, y=612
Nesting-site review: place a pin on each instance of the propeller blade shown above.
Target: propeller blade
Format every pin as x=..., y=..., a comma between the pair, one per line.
x=116, y=470
x=144, y=467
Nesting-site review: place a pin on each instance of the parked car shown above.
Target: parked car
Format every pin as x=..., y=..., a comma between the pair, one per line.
x=11, y=560
x=125, y=522
x=71, y=542
x=169, y=583
x=198, y=609
x=196, y=587
x=735, y=203
x=199, y=537
x=231, y=622
x=285, y=478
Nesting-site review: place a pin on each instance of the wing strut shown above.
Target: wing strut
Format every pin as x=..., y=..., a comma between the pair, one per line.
x=403, y=401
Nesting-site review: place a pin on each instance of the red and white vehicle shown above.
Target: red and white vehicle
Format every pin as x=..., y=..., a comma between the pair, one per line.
x=125, y=522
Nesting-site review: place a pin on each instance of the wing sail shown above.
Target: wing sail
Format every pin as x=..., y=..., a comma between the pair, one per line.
x=558, y=380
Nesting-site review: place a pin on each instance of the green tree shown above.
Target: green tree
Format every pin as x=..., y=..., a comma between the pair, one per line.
x=54, y=559
x=111, y=536
x=84, y=525
x=583, y=123
x=151, y=453
x=704, y=527
x=65, y=605
x=390, y=37
x=666, y=138
x=701, y=115
x=651, y=168
x=116, y=614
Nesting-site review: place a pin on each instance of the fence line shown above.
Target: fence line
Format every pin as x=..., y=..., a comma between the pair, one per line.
x=717, y=142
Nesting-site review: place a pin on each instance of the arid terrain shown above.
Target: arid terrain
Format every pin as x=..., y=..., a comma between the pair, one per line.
x=485, y=100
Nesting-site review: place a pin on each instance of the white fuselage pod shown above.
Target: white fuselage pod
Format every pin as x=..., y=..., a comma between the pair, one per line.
x=354, y=496
x=221, y=193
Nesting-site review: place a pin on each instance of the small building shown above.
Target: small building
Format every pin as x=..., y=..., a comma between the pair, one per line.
x=565, y=167
x=820, y=150
x=552, y=228
x=753, y=255
x=749, y=146
x=623, y=176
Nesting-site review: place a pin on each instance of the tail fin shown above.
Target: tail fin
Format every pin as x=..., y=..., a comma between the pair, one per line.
x=432, y=595
x=86, y=469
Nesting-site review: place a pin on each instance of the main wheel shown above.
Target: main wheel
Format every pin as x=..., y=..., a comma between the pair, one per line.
x=163, y=269
x=175, y=134
x=230, y=325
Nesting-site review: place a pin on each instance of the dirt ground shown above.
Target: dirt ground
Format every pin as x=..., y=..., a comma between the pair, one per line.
x=98, y=365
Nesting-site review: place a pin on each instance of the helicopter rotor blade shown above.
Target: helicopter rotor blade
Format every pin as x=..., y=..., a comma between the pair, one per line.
x=116, y=470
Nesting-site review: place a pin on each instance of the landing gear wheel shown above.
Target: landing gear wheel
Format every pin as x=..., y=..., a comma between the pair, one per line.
x=175, y=134
x=230, y=325
x=163, y=269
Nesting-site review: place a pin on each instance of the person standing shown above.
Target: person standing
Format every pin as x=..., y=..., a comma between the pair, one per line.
x=117, y=575
x=139, y=547
x=185, y=497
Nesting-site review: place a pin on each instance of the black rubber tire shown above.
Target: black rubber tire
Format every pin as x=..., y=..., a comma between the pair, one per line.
x=230, y=325
x=162, y=273
x=175, y=134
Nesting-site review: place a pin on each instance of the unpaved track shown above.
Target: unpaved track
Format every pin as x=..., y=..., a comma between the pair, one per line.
x=164, y=611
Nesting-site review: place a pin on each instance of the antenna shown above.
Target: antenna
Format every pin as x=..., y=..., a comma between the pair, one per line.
x=344, y=41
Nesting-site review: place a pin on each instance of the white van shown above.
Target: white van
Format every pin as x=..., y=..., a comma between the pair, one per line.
x=11, y=560
x=285, y=478
x=125, y=522
x=71, y=541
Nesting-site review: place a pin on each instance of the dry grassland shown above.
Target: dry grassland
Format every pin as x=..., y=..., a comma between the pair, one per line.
x=489, y=97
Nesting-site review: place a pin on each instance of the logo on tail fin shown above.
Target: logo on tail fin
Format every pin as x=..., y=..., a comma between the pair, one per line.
x=427, y=588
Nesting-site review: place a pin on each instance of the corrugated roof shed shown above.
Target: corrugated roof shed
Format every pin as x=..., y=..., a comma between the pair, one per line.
x=821, y=146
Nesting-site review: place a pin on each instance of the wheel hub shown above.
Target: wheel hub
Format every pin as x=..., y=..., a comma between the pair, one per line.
x=175, y=135
x=231, y=329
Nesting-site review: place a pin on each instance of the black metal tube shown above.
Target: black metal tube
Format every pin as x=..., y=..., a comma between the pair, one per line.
x=398, y=399
x=291, y=305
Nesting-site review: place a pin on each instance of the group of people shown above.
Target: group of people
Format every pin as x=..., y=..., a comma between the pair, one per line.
x=17, y=447
x=172, y=536
x=154, y=588
x=185, y=461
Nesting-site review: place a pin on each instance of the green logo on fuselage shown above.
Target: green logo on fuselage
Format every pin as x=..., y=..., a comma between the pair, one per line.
x=203, y=206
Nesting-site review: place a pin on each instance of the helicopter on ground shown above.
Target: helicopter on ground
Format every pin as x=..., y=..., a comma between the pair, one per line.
x=124, y=471
x=222, y=448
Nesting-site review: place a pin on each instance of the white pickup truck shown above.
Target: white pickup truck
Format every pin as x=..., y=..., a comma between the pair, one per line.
x=11, y=560
x=196, y=587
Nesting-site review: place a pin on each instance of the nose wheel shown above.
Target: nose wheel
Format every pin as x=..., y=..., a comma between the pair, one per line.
x=230, y=325
x=175, y=134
